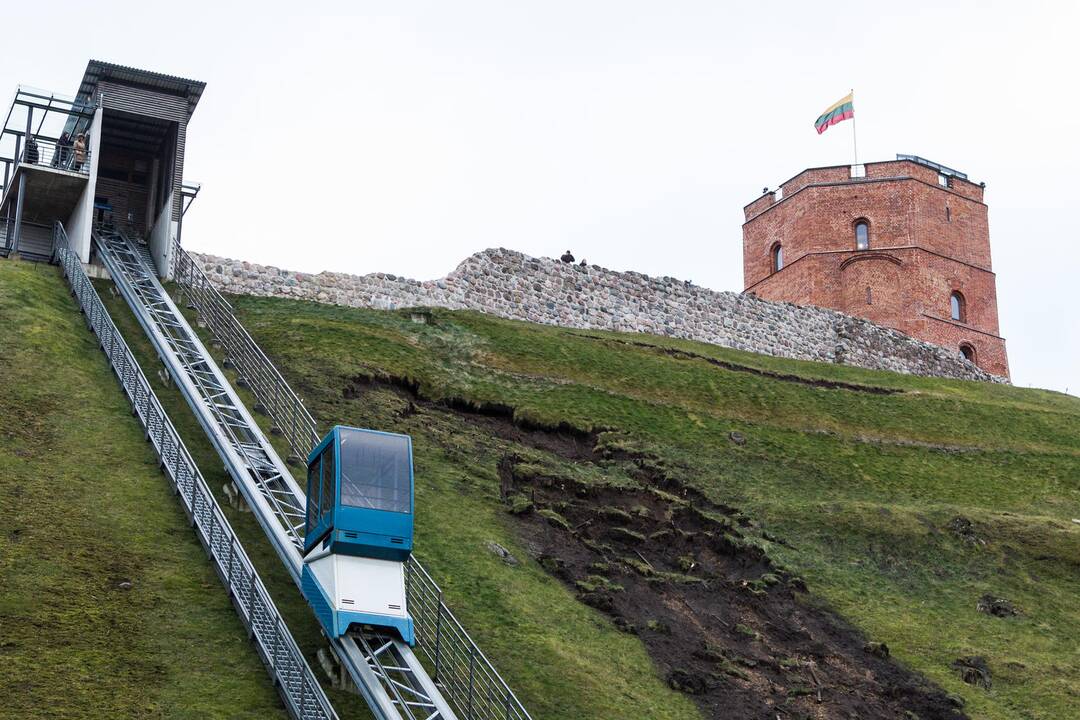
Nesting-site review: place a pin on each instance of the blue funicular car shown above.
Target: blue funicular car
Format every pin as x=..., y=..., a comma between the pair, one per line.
x=359, y=530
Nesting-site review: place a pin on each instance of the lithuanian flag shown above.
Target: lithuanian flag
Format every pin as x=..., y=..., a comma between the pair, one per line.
x=842, y=109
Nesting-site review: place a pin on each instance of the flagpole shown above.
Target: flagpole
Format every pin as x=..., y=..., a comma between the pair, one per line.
x=854, y=140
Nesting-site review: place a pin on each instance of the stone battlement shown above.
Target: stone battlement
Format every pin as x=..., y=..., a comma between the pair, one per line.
x=512, y=285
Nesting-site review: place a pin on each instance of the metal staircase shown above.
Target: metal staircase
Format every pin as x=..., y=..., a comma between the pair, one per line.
x=389, y=675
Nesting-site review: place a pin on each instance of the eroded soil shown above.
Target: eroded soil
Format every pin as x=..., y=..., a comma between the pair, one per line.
x=691, y=579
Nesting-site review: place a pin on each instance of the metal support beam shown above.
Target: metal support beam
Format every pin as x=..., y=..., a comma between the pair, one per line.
x=19, y=212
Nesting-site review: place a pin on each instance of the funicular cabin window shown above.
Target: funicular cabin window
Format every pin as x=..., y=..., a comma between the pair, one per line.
x=375, y=471
x=320, y=487
x=327, y=504
x=313, y=485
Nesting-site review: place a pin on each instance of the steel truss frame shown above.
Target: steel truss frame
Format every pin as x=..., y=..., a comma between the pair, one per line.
x=300, y=691
x=386, y=671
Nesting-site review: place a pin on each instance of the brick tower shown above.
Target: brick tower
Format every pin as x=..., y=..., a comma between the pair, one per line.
x=904, y=243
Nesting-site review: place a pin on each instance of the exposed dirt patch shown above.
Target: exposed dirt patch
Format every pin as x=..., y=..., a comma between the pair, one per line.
x=996, y=606
x=974, y=671
x=786, y=377
x=965, y=530
x=723, y=624
x=691, y=578
x=563, y=440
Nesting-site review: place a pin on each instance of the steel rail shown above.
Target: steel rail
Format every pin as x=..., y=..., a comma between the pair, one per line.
x=302, y=695
x=275, y=498
x=463, y=673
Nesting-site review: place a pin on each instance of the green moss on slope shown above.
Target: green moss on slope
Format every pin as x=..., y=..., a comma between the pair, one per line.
x=86, y=511
x=858, y=489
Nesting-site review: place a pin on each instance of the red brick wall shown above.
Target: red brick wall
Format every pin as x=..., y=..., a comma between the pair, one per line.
x=926, y=241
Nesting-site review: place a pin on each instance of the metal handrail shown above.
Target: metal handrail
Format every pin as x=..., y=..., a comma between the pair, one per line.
x=463, y=673
x=46, y=152
x=461, y=670
x=276, y=398
x=303, y=696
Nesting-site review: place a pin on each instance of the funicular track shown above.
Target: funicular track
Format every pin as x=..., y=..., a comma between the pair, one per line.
x=393, y=682
x=296, y=683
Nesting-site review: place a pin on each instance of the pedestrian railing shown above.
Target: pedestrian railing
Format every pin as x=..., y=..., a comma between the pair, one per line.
x=464, y=675
x=50, y=153
x=300, y=691
x=276, y=399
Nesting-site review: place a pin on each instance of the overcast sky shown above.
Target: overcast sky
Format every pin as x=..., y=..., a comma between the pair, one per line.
x=402, y=137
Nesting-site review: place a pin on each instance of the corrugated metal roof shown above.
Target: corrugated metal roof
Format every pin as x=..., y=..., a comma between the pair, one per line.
x=98, y=70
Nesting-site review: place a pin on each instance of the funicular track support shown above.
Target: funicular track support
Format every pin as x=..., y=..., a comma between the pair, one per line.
x=464, y=676
x=387, y=673
x=296, y=683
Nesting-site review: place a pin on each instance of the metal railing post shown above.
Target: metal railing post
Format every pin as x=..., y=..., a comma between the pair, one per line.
x=438, y=635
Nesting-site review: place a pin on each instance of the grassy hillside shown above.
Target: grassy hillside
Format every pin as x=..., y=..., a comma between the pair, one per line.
x=664, y=504
x=108, y=606
x=900, y=501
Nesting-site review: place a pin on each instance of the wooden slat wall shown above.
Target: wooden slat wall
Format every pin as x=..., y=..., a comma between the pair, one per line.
x=124, y=196
x=35, y=243
x=143, y=102
x=157, y=105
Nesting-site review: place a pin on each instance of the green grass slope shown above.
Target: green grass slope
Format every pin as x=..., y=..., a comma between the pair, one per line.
x=856, y=475
x=84, y=510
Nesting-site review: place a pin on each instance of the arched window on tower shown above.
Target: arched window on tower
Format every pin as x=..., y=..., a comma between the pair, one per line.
x=957, y=307
x=777, y=257
x=967, y=351
x=862, y=235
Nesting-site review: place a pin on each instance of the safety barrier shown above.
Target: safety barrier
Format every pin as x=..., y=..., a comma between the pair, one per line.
x=300, y=691
x=464, y=675
x=256, y=371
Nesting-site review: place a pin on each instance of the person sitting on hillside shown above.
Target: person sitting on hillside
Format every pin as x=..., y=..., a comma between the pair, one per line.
x=567, y=257
x=583, y=263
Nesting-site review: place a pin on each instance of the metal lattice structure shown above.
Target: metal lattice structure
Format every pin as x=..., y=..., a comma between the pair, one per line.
x=464, y=675
x=393, y=682
x=300, y=691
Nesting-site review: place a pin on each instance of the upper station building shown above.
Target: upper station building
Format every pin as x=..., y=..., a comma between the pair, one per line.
x=112, y=154
x=903, y=243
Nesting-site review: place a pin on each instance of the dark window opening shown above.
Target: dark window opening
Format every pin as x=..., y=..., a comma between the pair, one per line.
x=957, y=307
x=862, y=235
x=967, y=351
x=777, y=257
x=869, y=297
x=948, y=214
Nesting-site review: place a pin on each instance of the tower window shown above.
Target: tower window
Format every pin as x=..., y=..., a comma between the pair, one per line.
x=777, y=257
x=862, y=235
x=967, y=351
x=948, y=214
x=957, y=307
x=869, y=296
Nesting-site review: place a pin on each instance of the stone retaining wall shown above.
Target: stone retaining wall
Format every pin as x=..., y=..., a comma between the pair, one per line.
x=512, y=285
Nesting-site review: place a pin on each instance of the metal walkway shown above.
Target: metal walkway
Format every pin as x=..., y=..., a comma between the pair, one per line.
x=292, y=676
x=386, y=671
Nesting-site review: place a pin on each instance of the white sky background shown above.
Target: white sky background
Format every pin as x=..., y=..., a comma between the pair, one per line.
x=402, y=137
